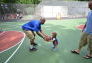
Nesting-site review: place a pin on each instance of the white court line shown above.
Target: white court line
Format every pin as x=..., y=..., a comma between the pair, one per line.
x=15, y=50
x=2, y=33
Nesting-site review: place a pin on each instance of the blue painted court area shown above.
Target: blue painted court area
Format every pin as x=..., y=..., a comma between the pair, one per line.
x=68, y=36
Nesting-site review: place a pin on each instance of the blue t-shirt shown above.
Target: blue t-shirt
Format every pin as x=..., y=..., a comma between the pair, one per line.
x=33, y=25
x=88, y=28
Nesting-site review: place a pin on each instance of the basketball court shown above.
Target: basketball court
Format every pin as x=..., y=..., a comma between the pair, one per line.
x=14, y=45
x=64, y=17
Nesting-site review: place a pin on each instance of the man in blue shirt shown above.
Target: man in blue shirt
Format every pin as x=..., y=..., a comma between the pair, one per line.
x=30, y=28
x=86, y=37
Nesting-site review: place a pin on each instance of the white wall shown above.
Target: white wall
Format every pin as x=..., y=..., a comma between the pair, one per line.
x=50, y=9
x=54, y=11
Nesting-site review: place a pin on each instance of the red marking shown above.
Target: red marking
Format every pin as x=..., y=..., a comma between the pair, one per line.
x=80, y=27
x=9, y=39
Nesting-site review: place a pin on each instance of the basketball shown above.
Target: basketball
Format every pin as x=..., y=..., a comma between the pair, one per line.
x=48, y=38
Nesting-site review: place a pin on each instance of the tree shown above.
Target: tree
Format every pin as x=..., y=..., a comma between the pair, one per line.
x=21, y=1
x=8, y=1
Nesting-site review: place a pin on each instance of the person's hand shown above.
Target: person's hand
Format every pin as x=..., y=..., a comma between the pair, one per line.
x=47, y=38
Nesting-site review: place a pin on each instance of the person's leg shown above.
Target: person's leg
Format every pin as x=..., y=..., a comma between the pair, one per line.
x=89, y=40
x=55, y=43
x=82, y=43
x=31, y=36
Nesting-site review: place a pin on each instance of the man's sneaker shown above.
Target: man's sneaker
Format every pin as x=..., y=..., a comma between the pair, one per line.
x=33, y=49
x=34, y=45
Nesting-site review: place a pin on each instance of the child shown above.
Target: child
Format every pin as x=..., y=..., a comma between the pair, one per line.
x=54, y=39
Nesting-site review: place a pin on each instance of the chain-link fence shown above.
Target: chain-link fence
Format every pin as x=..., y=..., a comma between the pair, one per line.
x=48, y=9
x=15, y=11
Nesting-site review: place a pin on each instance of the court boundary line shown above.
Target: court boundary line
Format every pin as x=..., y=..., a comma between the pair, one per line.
x=15, y=49
x=11, y=46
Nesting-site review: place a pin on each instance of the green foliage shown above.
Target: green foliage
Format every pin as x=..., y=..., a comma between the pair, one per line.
x=21, y=1
x=29, y=1
x=8, y=1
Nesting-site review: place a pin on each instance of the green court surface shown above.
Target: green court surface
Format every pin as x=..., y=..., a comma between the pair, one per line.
x=68, y=37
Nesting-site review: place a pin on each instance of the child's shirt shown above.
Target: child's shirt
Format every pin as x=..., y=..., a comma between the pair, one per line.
x=54, y=39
